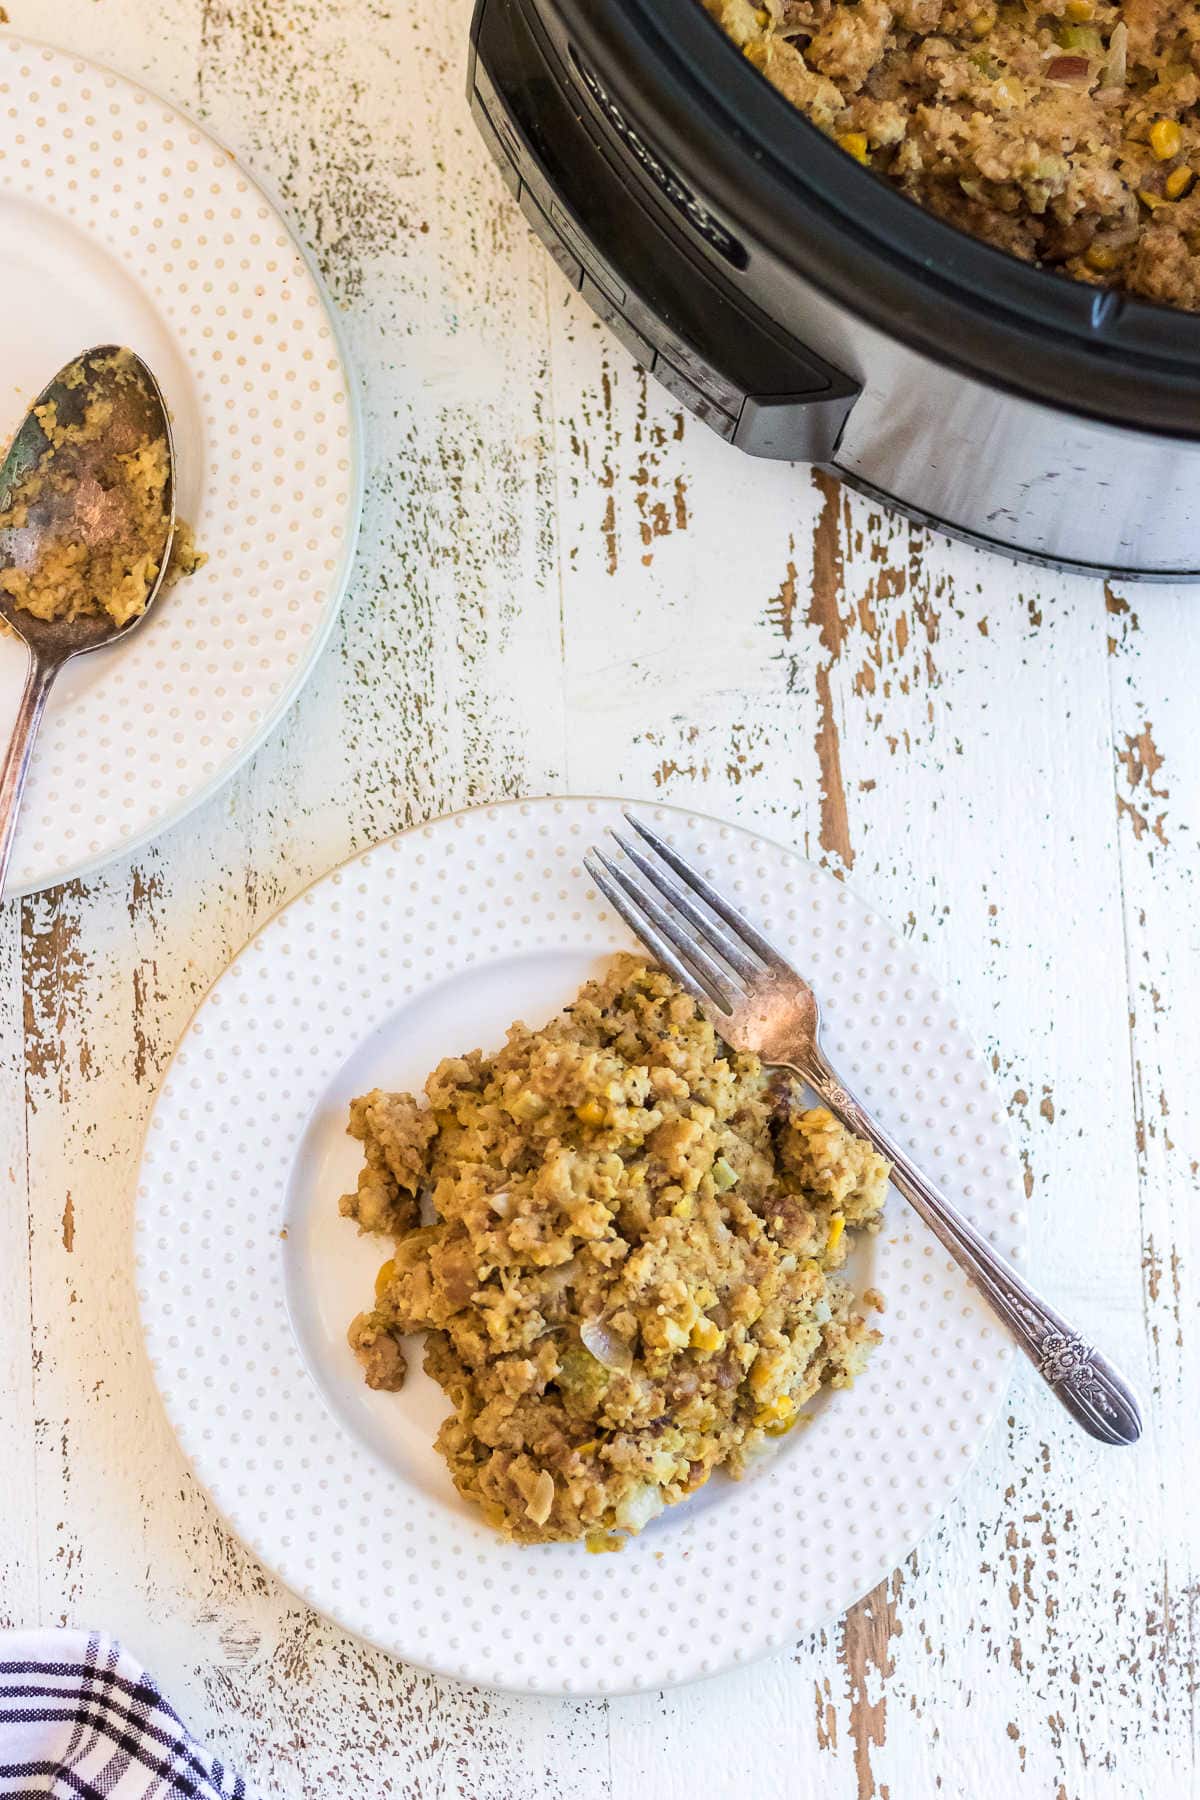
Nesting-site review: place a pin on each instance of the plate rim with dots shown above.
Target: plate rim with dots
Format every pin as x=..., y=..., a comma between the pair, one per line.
x=751, y=1571
x=222, y=698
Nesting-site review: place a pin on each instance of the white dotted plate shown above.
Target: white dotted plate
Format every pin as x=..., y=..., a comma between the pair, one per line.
x=121, y=221
x=247, y=1277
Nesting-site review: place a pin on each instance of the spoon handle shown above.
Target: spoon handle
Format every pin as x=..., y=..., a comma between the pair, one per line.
x=38, y=681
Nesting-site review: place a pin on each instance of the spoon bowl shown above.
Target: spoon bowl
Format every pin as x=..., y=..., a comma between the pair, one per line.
x=88, y=513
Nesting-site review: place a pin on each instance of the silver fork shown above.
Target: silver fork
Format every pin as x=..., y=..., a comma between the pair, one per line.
x=758, y=1003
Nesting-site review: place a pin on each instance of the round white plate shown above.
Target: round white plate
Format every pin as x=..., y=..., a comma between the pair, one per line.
x=123, y=222
x=247, y=1277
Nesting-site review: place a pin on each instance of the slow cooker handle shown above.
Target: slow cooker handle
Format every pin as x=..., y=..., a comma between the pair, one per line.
x=735, y=369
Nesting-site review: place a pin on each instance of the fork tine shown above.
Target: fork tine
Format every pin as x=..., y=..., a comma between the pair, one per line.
x=673, y=927
x=712, y=935
x=690, y=966
x=643, y=930
x=749, y=935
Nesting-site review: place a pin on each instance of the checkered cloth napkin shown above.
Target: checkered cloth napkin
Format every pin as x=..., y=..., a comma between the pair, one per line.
x=81, y=1720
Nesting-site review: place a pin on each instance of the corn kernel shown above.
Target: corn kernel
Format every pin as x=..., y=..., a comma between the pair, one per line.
x=836, y=1227
x=707, y=1335
x=590, y=1113
x=778, y=1412
x=854, y=143
x=683, y=1209
x=1103, y=258
x=1166, y=139
x=383, y=1279
x=1178, y=182
x=762, y=16
x=982, y=23
x=762, y=1374
x=1080, y=11
x=685, y=1312
x=600, y=1542
x=1153, y=201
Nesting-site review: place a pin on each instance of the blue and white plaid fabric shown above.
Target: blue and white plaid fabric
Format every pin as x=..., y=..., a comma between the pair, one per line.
x=81, y=1720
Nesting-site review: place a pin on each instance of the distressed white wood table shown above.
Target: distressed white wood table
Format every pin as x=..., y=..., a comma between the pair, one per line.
x=564, y=584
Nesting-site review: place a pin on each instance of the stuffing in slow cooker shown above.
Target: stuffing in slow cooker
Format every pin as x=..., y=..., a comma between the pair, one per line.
x=1067, y=132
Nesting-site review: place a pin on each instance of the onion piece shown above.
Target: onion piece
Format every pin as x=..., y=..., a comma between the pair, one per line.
x=1113, y=73
x=639, y=1507
x=541, y=1501
x=602, y=1342
x=556, y=1280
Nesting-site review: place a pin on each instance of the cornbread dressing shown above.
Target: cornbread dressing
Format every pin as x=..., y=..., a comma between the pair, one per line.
x=633, y=1277
x=1066, y=132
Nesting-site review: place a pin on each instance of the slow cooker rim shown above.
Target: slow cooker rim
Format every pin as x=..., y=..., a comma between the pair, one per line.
x=1075, y=341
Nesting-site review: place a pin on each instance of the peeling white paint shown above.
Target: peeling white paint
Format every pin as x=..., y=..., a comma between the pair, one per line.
x=564, y=586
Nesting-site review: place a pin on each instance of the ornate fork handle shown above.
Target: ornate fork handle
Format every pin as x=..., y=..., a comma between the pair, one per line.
x=1084, y=1381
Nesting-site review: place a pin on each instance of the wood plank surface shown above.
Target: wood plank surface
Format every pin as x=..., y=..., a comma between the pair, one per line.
x=566, y=585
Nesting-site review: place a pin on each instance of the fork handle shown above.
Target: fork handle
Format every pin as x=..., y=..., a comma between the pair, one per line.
x=1093, y=1392
x=38, y=681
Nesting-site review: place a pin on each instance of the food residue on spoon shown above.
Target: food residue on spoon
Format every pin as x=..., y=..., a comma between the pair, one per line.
x=114, y=470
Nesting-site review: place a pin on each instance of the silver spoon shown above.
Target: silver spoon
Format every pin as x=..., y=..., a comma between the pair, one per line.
x=86, y=514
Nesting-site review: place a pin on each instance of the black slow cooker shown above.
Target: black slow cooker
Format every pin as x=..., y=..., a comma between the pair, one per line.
x=804, y=309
